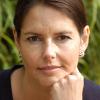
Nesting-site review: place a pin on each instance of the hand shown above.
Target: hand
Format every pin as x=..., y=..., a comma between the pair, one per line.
x=68, y=88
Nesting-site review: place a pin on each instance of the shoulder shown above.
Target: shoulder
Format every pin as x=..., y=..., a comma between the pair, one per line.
x=4, y=77
x=4, y=84
x=91, y=90
x=6, y=74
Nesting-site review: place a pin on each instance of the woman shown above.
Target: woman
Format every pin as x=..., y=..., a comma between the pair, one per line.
x=51, y=36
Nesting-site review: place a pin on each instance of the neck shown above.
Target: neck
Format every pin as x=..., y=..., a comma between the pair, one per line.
x=32, y=89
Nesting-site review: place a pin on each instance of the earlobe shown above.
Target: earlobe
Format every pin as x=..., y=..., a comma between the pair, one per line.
x=85, y=38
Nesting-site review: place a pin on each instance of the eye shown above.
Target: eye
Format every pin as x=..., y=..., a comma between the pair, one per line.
x=63, y=38
x=34, y=38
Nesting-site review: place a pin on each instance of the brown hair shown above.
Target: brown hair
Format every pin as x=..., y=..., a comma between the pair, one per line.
x=74, y=9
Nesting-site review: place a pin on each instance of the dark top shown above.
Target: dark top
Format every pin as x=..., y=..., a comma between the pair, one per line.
x=90, y=92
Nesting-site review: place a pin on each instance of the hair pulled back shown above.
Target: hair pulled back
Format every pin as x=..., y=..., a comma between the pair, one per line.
x=74, y=9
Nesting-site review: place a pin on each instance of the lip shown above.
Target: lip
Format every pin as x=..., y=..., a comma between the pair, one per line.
x=49, y=69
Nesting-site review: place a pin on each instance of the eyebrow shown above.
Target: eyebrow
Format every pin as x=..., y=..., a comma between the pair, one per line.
x=64, y=32
x=31, y=33
x=56, y=33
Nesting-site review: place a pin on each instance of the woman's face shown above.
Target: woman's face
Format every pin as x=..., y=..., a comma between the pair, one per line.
x=50, y=44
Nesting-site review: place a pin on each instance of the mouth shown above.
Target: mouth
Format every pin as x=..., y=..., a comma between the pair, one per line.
x=49, y=69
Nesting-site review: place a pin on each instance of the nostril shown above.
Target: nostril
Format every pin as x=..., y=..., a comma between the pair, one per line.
x=49, y=55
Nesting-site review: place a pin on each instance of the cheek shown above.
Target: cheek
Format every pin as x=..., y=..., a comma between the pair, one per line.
x=30, y=56
x=70, y=57
x=71, y=50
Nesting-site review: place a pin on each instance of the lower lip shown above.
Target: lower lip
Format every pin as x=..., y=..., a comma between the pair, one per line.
x=49, y=70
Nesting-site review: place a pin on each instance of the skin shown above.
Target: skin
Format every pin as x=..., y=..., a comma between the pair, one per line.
x=49, y=45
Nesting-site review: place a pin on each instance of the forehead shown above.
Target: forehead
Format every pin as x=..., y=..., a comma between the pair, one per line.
x=44, y=17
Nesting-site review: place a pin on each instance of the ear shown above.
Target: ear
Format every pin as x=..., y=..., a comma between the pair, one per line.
x=16, y=39
x=85, y=38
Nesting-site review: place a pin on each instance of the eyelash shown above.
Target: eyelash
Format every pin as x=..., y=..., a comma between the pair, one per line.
x=63, y=38
x=60, y=38
x=34, y=39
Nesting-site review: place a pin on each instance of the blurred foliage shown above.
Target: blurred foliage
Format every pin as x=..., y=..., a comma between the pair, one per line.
x=89, y=65
x=8, y=51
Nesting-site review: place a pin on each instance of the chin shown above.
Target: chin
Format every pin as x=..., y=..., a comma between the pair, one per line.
x=47, y=82
x=49, y=78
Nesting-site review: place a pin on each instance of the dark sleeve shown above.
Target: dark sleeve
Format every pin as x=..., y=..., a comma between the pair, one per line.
x=91, y=91
x=5, y=86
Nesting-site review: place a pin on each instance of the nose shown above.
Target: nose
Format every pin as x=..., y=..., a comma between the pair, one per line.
x=50, y=51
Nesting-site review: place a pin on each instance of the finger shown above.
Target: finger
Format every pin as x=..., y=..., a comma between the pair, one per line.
x=77, y=73
x=72, y=78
